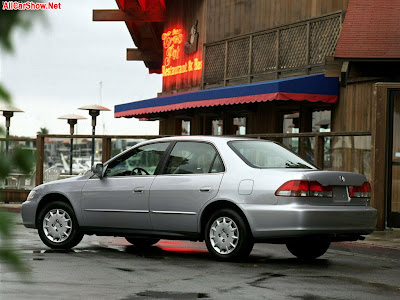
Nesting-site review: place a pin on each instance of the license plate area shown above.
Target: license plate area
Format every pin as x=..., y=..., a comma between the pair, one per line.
x=340, y=194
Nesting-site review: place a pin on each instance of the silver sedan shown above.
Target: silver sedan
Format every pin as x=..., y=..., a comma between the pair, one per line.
x=228, y=192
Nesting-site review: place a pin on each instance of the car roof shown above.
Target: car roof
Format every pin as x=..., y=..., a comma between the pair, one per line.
x=207, y=138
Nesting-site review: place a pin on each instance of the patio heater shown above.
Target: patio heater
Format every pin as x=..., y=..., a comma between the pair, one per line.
x=72, y=120
x=8, y=113
x=94, y=111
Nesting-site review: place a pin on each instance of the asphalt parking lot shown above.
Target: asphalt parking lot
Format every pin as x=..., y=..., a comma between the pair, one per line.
x=110, y=268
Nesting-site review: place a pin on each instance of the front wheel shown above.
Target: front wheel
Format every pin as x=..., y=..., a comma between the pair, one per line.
x=58, y=227
x=308, y=249
x=227, y=236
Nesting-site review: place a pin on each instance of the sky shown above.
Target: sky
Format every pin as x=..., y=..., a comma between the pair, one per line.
x=58, y=66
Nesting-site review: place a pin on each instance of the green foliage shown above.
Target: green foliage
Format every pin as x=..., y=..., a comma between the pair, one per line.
x=43, y=130
x=18, y=158
x=4, y=95
x=11, y=20
x=7, y=253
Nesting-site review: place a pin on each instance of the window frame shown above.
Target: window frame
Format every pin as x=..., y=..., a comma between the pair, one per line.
x=126, y=152
x=244, y=159
x=172, y=146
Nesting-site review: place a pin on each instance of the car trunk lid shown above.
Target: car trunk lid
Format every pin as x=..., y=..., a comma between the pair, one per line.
x=340, y=181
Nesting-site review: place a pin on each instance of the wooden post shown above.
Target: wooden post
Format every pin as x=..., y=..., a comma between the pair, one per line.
x=39, y=159
x=278, y=32
x=379, y=150
x=106, y=149
x=226, y=62
x=308, y=48
x=250, y=56
x=319, y=144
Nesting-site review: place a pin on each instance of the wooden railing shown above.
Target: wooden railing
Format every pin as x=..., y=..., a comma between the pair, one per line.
x=351, y=152
x=298, y=48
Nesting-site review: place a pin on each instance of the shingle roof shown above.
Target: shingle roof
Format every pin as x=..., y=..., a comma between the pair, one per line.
x=371, y=29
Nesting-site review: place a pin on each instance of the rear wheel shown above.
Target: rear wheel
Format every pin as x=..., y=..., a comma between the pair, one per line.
x=141, y=242
x=228, y=236
x=58, y=227
x=308, y=249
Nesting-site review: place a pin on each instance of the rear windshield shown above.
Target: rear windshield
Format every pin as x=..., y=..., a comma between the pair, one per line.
x=263, y=154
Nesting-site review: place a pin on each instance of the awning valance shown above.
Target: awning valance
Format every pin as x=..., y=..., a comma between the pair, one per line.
x=312, y=88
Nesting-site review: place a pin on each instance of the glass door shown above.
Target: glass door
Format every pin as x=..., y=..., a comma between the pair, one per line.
x=394, y=160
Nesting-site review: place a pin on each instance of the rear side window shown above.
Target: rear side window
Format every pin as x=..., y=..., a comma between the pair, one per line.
x=263, y=154
x=193, y=158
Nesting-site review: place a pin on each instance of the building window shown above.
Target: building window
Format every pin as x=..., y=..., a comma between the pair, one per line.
x=291, y=124
x=217, y=127
x=185, y=127
x=239, y=125
x=321, y=121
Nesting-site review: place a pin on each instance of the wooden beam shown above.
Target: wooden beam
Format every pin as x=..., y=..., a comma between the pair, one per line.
x=136, y=54
x=128, y=16
x=344, y=74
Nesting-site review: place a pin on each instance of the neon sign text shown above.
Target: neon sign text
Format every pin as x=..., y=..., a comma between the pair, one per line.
x=189, y=66
x=172, y=41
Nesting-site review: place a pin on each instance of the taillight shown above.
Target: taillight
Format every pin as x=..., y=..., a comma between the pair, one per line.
x=304, y=188
x=362, y=191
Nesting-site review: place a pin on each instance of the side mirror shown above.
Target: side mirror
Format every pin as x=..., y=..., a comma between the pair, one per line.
x=98, y=169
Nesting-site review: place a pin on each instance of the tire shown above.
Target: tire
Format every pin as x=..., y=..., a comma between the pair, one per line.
x=142, y=242
x=227, y=236
x=308, y=249
x=58, y=227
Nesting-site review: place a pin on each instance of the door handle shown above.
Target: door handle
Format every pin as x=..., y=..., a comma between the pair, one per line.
x=205, y=189
x=139, y=190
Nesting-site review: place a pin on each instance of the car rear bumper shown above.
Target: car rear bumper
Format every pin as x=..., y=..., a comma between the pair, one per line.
x=286, y=221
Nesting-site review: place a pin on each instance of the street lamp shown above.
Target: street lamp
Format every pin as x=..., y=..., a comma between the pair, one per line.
x=72, y=120
x=94, y=111
x=8, y=112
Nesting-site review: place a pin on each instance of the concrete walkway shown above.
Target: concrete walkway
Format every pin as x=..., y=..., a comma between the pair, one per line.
x=379, y=243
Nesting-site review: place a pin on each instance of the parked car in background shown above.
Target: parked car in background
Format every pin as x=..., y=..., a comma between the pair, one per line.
x=230, y=192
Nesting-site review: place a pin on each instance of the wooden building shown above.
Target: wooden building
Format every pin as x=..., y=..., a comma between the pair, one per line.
x=259, y=67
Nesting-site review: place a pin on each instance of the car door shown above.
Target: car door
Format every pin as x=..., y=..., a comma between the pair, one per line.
x=191, y=177
x=120, y=198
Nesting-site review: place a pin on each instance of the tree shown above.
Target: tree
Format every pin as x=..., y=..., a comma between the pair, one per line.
x=43, y=130
x=10, y=21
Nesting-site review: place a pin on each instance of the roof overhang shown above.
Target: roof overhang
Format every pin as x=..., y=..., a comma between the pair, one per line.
x=312, y=88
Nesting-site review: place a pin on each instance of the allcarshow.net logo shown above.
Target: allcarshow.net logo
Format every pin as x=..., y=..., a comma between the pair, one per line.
x=29, y=5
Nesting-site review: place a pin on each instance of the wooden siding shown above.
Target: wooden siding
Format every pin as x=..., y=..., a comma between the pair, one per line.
x=228, y=18
x=354, y=107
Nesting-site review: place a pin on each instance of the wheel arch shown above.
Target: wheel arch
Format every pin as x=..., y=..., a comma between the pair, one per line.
x=213, y=207
x=52, y=197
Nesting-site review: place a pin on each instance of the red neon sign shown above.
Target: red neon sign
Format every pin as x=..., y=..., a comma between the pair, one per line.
x=172, y=43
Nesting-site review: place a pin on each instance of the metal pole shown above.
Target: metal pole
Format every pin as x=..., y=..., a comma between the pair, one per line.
x=94, y=113
x=71, y=123
x=8, y=123
x=93, y=139
x=70, y=155
x=7, y=137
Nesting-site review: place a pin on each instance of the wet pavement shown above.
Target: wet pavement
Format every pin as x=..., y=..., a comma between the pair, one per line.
x=110, y=268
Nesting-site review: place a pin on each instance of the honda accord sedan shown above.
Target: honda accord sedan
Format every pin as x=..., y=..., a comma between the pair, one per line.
x=230, y=192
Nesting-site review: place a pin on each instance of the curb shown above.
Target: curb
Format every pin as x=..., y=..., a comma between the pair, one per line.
x=367, y=249
x=11, y=208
